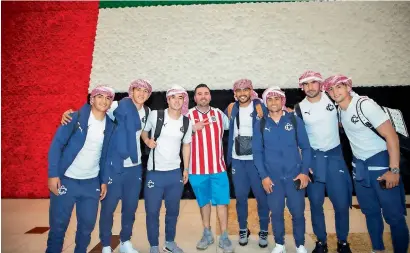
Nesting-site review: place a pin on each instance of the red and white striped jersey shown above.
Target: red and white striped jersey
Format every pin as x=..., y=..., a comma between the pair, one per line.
x=207, y=156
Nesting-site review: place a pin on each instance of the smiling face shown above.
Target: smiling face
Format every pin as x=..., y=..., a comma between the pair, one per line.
x=101, y=102
x=243, y=95
x=175, y=102
x=140, y=95
x=202, y=96
x=311, y=89
x=274, y=103
x=339, y=92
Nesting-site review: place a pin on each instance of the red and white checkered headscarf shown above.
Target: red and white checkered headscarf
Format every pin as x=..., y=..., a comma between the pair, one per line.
x=310, y=76
x=176, y=89
x=254, y=95
x=337, y=79
x=272, y=92
x=242, y=84
x=140, y=83
x=103, y=90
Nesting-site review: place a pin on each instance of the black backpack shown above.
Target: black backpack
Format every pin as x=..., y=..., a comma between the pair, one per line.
x=158, y=128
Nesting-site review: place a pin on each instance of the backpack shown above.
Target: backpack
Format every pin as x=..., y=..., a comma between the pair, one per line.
x=158, y=128
x=396, y=118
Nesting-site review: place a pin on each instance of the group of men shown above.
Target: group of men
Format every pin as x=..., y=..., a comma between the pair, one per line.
x=276, y=152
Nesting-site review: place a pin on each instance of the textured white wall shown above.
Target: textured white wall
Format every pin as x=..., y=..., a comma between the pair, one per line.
x=269, y=43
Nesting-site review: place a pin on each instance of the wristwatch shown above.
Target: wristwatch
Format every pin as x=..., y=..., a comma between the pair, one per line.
x=395, y=170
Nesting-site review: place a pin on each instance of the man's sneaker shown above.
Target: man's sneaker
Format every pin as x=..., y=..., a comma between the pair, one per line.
x=126, y=247
x=172, y=247
x=206, y=240
x=263, y=239
x=106, y=249
x=279, y=249
x=243, y=236
x=321, y=247
x=343, y=247
x=154, y=249
x=225, y=244
x=301, y=249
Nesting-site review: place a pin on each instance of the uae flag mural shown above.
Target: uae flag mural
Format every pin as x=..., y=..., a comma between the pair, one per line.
x=54, y=53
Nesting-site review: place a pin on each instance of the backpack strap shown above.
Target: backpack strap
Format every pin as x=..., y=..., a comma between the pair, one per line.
x=157, y=133
x=185, y=125
x=262, y=128
x=363, y=118
x=146, y=109
x=229, y=110
x=298, y=111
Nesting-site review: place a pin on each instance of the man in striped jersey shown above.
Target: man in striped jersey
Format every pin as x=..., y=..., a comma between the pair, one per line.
x=207, y=172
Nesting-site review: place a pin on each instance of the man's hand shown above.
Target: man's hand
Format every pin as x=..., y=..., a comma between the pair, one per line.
x=151, y=143
x=103, y=192
x=66, y=118
x=304, y=180
x=267, y=185
x=185, y=176
x=392, y=180
x=54, y=184
x=200, y=125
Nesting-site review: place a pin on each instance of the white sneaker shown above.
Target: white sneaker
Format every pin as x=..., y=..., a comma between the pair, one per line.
x=279, y=249
x=126, y=247
x=301, y=249
x=106, y=249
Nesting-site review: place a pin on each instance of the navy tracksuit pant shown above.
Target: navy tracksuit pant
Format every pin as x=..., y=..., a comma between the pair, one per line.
x=284, y=188
x=167, y=185
x=375, y=202
x=245, y=176
x=85, y=194
x=127, y=187
x=331, y=174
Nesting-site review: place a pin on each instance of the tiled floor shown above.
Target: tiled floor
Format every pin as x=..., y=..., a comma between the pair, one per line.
x=20, y=216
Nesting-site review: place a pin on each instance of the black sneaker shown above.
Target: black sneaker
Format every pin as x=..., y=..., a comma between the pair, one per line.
x=243, y=236
x=320, y=247
x=343, y=247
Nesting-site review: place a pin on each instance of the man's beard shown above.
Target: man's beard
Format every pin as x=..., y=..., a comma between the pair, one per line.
x=312, y=95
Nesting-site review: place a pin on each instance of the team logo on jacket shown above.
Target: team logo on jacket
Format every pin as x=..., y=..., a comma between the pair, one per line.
x=267, y=129
x=150, y=184
x=288, y=127
x=330, y=107
x=233, y=171
x=354, y=119
x=144, y=119
x=110, y=179
x=62, y=190
x=182, y=129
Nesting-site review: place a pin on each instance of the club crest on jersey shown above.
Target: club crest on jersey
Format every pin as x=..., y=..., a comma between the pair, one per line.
x=213, y=119
x=288, y=127
x=330, y=107
x=150, y=184
x=62, y=190
x=354, y=119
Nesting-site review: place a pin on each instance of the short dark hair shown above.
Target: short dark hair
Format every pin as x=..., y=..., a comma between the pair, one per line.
x=202, y=85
